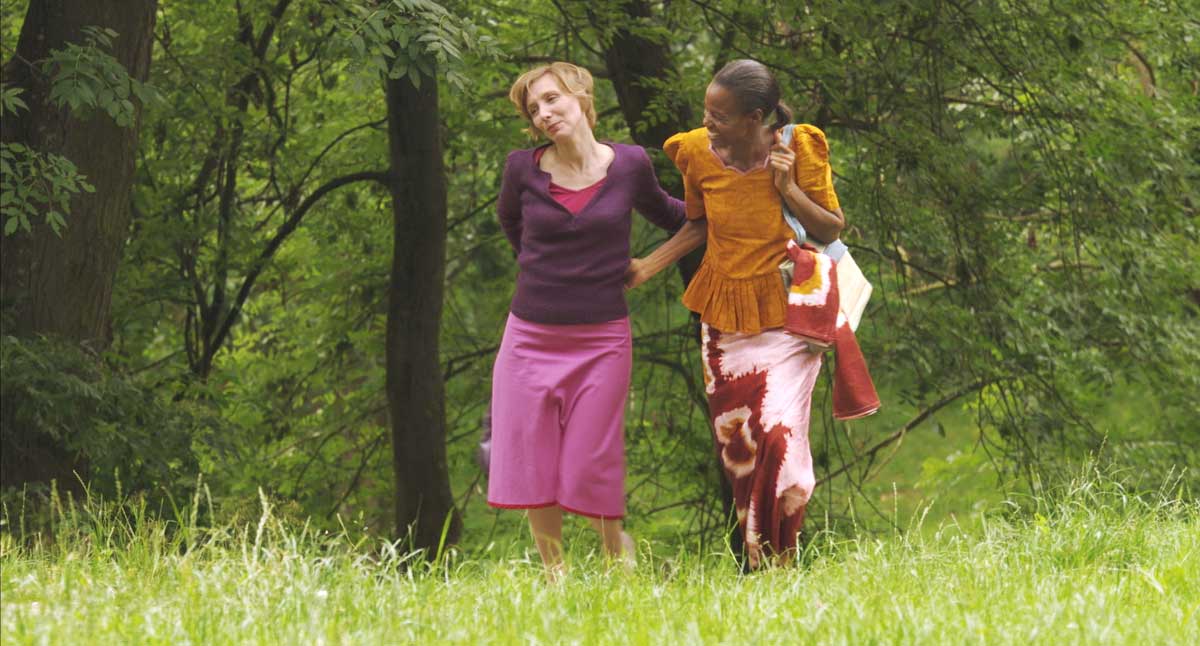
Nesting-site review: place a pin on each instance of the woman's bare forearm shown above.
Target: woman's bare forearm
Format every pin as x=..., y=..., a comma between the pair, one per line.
x=819, y=222
x=691, y=235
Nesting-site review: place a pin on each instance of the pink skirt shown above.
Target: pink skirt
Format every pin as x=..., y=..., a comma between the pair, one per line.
x=558, y=417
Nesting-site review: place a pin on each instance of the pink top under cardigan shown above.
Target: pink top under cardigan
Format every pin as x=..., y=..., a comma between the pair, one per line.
x=573, y=199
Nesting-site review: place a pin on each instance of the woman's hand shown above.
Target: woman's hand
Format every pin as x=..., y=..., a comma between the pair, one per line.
x=783, y=161
x=637, y=273
x=819, y=222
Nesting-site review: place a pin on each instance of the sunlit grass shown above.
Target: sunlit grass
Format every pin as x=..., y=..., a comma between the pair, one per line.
x=1091, y=564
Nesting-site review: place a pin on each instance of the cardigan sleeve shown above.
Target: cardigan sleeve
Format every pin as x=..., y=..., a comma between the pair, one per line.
x=649, y=198
x=508, y=204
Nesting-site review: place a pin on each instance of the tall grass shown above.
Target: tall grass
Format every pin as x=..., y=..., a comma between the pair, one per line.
x=1089, y=564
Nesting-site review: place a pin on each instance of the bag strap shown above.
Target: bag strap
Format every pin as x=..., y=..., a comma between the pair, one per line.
x=835, y=249
x=785, y=138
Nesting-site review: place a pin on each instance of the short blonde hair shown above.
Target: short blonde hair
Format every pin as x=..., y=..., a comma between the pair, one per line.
x=573, y=80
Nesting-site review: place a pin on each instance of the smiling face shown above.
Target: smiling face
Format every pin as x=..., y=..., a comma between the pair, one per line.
x=555, y=112
x=723, y=118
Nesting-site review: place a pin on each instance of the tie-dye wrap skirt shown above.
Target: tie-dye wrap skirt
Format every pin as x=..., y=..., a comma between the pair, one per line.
x=759, y=398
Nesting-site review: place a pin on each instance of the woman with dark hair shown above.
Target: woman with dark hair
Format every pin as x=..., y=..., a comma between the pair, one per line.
x=562, y=374
x=738, y=175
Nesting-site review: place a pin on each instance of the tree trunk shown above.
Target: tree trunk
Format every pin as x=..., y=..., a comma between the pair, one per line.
x=62, y=286
x=636, y=66
x=631, y=61
x=416, y=398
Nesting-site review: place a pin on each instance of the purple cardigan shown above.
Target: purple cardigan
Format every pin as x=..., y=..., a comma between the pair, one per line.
x=572, y=267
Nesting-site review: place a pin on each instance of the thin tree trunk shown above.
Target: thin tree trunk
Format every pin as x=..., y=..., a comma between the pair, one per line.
x=61, y=286
x=631, y=61
x=638, y=67
x=416, y=398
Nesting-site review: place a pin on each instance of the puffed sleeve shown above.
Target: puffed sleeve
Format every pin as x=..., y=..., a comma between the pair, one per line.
x=508, y=204
x=814, y=175
x=664, y=211
x=678, y=151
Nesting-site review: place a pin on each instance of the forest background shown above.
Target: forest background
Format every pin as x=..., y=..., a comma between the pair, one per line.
x=250, y=247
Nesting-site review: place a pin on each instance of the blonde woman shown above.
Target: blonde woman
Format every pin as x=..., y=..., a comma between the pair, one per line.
x=562, y=372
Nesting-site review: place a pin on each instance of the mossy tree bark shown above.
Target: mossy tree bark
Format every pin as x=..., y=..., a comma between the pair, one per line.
x=61, y=285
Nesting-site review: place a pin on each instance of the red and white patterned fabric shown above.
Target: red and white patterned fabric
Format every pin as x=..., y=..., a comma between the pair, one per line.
x=814, y=315
x=759, y=390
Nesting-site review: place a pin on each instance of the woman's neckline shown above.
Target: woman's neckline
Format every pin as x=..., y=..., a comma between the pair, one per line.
x=762, y=166
x=766, y=160
x=537, y=164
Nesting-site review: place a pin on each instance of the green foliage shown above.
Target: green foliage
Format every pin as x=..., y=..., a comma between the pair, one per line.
x=299, y=379
x=132, y=434
x=10, y=100
x=11, y=16
x=35, y=181
x=414, y=39
x=31, y=181
x=85, y=76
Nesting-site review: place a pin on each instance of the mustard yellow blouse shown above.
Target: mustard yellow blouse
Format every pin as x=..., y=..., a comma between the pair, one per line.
x=737, y=288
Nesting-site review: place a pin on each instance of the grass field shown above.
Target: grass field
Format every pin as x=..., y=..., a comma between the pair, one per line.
x=1091, y=565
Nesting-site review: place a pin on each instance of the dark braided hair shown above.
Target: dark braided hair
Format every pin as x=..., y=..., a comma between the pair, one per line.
x=754, y=88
